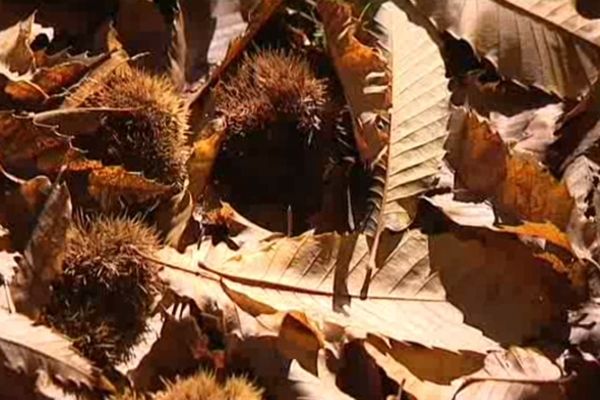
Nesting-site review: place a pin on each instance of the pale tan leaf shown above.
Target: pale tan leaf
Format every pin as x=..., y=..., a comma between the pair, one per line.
x=28, y=349
x=229, y=23
x=531, y=131
x=419, y=117
x=209, y=29
x=516, y=374
x=540, y=42
x=43, y=256
x=8, y=267
x=464, y=213
x=585, y=329
x=322, y=276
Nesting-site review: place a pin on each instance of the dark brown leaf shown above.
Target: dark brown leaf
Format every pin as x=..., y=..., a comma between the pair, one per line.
x=43, y=256
x=27, y=147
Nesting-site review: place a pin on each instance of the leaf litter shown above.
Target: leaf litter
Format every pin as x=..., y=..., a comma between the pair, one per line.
x=300, y=200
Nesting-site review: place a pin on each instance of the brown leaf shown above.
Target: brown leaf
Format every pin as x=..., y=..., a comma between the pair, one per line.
x=14, y=46
x=516, y=183
x=171, y=355
x=477, y=154
x=533, y=193
x=28, y=147
x=20, y=204
x=423, y=373
x=282, y=377
x=298, y=339
x=516, y=374
x=29, y=350
x=143, y=29
x=43, y=256
x=363, y=71
x=482, y=215
x=111, y=186
x=52, y=80
x=511, y=294
x=24, y=93
x=547, y=231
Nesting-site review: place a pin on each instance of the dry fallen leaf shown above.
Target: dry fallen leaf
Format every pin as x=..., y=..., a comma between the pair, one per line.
x=114, y=186
x=259, y=16
x=516, y=374
x=29, y=349
x=49, y=82
x=511, y=295
x=516, y=183
x=419, y=115
x=20, y=203
x=363, y=71
x=534, y=194
x=281, y=376
x=423, y=373
x=15, y=54
x=322, y=276
x=543, y=43
x=477, y=155
x=172, y=354
x=43, y=256
x=203, y=156
x=26, y=147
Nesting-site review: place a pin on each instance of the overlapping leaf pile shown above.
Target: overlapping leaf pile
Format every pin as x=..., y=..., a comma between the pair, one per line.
x=438, y=238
